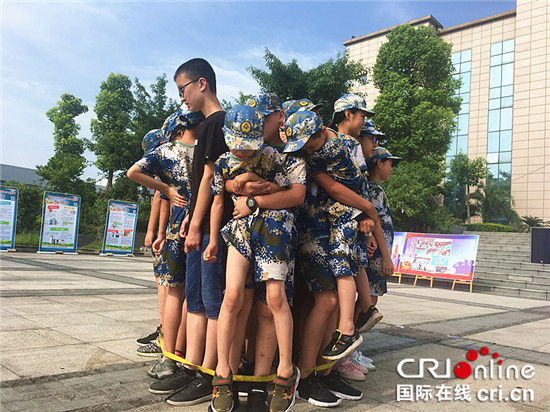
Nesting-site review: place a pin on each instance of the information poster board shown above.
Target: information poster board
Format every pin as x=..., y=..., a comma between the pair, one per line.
x=59, y=222
x=433, y=255
x=8, y=215
x=120, y=230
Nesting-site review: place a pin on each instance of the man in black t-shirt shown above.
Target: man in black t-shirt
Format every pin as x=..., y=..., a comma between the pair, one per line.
x=204, y=281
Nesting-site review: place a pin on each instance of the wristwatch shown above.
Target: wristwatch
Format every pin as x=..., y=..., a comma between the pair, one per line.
x=251, y=203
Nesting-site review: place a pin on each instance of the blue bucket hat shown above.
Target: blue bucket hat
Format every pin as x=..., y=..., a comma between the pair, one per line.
x=190, y=118
x=299, y=128
x=381, y=153
x=368, y=128
x=265, y=103
x=244, y=128
x=299, y=105
x=351, y=101
x=152, y=140
x=182, y=118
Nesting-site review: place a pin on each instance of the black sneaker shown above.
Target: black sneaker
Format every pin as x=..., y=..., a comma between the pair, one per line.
x=311, y=390
x=339, y=387
x=368, y=319
x=257, y=397
x=181, y=377
x=198, y=390
x=342, y=345
x=149, y=338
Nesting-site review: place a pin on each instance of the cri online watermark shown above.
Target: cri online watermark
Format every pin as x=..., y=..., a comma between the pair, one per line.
x=463, y=370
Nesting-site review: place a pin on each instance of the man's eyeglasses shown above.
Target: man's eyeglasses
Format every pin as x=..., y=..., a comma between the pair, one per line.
x=182, y=88
x=374, y=140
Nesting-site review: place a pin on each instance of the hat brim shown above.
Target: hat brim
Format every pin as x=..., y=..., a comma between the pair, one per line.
x=291, y=147
x=368, y=112
x=236, y=142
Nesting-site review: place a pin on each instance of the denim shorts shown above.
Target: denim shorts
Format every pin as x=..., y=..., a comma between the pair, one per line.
x=205, y=282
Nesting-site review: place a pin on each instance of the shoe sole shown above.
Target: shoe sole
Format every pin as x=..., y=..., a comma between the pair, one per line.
x=349, y=350
x=346, y=396
x=315, y=402
x=373, y=320
x=162, y=391
x=205, y=398
x=149, y=355
x=144, y=344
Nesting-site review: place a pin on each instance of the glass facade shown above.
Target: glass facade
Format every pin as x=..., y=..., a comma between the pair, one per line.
x=499, y=136
x=462, y=62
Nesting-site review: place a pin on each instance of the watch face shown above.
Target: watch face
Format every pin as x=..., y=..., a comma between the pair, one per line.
x=251, y=202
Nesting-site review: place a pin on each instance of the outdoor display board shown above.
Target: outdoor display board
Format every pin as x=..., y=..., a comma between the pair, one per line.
x=433, y=255
x=59, y=222
x=8, y=213
x=120, y=229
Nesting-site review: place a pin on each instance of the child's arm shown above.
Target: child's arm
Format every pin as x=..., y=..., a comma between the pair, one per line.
x=345, y=195
x=137, y=175
x=164, y=214
x=216, y=213
x=387, y=264
x=293, y=196
x=152, y=226
x=204, y=199
x=250, y=184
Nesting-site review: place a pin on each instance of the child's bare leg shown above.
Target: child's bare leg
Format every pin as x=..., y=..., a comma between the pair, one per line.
x=364, y=301
x=196, y=337
x=282, y=317
x=237, y=268
x=162, y=291
x=240, y=330
x=317, y=326
x=172, y=316
x=211, y=345
x=182, y=331
x=346, y=303
x=266, y=341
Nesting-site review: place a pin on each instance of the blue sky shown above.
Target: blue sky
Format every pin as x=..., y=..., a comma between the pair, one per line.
x=55, y=47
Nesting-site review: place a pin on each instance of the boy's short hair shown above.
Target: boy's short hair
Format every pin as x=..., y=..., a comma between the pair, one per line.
x=197, y=68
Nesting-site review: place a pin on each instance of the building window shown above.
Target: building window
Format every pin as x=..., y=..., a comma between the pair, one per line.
x=499, y=137
x=462, y=62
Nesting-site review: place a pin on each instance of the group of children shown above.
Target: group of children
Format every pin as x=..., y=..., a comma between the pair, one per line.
x=272, y=247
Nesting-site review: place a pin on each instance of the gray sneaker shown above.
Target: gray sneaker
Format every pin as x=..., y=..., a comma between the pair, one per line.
x=162, y=368
x=152, y=350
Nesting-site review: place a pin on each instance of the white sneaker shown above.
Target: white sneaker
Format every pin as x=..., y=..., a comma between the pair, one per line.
x=362, y=360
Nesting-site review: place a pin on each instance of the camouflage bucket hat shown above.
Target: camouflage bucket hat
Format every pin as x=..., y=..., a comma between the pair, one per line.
x=265, y=103
x=300, y=105
x=244, y=128
x=152, y=140
x=351, y=101
x=190, y=118
x=368, y=128
x=381, y=153
x=299, y=128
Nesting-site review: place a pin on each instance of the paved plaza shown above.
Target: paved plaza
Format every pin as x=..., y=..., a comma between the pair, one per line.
x=69, y=324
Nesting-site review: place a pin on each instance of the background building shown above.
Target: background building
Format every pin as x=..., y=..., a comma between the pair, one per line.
x=504, y=63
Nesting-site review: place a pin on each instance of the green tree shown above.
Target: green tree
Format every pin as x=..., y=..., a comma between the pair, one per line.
x=64, y=168
x=533, y=221
x=113, y=141
x=497, y=205
x=151, y=108
x=322, y=84
x=227, y=104
x=464, y=175
x=416, y=108
x=29, y=206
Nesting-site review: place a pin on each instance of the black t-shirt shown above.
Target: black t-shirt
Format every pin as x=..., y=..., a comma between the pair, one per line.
x=210, y=145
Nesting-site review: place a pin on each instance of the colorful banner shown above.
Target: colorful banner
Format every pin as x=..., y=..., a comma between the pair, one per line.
x=8, y=214
x=120, y=230
x=59, y=222
x=438, y=256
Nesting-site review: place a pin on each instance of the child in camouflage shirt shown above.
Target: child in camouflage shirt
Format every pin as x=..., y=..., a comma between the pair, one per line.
x=255, y=235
